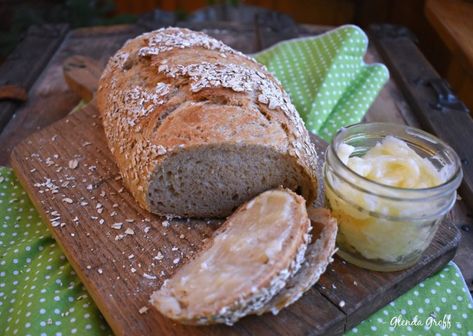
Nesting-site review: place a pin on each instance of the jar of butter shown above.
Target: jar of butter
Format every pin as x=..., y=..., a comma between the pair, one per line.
x=388, y=186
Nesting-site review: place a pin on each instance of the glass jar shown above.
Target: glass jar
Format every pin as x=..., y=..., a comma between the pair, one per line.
x=380, y=227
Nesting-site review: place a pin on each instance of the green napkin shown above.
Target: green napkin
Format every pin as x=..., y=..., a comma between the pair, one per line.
x=326, y=77
x=331, y=87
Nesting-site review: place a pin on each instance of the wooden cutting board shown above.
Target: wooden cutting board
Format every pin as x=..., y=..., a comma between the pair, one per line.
x=74, y=183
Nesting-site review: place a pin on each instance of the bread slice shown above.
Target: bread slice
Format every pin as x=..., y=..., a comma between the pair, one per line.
x=198, y=128
x=248, y=260
x=317, y=257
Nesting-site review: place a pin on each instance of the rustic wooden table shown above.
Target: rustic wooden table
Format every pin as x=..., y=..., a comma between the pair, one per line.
x=36, y=65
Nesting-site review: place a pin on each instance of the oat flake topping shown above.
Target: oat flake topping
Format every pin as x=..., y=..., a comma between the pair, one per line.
x=166, y=39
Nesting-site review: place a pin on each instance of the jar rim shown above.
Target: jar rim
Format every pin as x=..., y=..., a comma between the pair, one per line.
x=452, y=183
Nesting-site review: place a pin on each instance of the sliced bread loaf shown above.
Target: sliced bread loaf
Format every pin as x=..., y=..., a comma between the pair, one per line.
x=248, y=260
x=198, y=128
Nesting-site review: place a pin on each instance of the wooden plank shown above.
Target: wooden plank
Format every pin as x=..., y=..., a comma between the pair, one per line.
x=415, y=77
x=453, y=22
x=28, y=59
x=49, y=98
x=103, y=263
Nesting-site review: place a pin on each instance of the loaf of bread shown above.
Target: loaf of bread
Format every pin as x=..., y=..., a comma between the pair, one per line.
x=198, y=128
x=239, y=273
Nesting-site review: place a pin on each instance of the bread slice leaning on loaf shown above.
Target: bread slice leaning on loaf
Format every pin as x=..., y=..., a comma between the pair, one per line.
x=247, y=261
x=198, y=128
x=318, y=256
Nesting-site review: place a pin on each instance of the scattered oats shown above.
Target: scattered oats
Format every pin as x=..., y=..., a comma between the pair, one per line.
x=133, y=270
x=131, y=256
x=117, y=226
x=55, y=223
x=81, y=297
x=118, y=178
x=94, y=217
x=75, y=219
x=98, y=206
x=342, y=304
x=73, y=164
x=160, y=150
x=119, y=237
x=129, y=220
x=115, y=205
x=100, y=210
x=147, y=229
x=114, y=213
x=84, y=203
x=73, y=234
x=102, y=193
x=93, y=168
x=100, y=271
x=159, y=256
x=90, y=187
x=147, y=219
x=140, y=188
x=165, y=223
x=129, y=231
x=174, y=248
x=149, y=276
x=63, y=224
x=355, y=283
x=67, y=200
x=86, y=144
x=176, y=261
x=121, y=190
x=54, y=137
x=88, y=267
x=333, y=286
x=33, y=170
x=181, y=236
x=143, y=310
x=101, y=221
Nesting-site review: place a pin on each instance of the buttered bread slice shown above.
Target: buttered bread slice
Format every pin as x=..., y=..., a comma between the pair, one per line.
x=248, y=260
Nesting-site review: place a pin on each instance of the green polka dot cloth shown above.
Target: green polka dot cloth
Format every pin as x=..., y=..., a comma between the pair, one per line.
x=326, y=77
x=331, y=87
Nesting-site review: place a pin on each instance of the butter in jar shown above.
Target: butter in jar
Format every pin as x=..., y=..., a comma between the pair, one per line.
x=389, y=186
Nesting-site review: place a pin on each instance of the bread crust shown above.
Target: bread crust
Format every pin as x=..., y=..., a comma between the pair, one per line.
x=161, y=82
